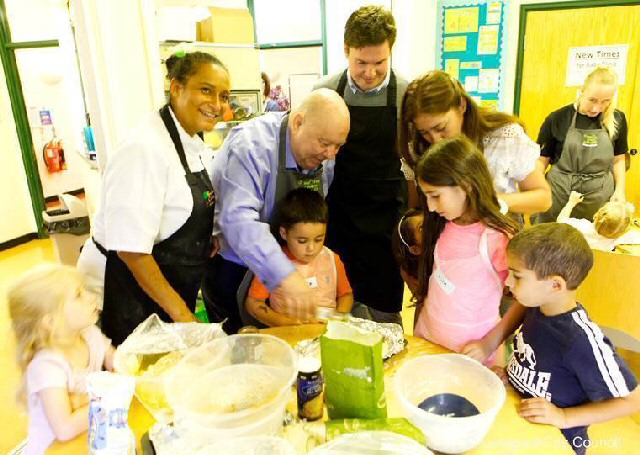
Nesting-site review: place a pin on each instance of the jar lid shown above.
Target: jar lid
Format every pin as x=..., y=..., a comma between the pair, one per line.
x=309, y=364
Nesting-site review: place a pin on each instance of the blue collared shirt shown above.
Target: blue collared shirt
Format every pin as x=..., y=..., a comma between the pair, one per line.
x=354, y=88
x=244, y=179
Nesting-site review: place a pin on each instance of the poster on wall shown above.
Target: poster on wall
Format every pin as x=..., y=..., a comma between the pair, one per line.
x=583, y=60
x=469, y=41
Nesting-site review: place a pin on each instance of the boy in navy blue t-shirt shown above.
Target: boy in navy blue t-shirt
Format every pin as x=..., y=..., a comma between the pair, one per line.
x=561, y=358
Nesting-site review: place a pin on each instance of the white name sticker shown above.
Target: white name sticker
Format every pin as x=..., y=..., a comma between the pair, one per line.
x=446, y=285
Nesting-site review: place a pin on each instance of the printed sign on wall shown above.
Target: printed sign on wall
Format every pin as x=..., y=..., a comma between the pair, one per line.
x=583, y=60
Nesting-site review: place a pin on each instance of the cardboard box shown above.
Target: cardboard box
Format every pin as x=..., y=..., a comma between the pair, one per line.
x=226, y=25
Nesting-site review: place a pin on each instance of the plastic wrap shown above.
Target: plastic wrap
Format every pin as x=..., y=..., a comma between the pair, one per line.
x=378, y=442
x=392, y=338
x=166, y=441
x=152, y=350
x=402, y=426
x=153, y=336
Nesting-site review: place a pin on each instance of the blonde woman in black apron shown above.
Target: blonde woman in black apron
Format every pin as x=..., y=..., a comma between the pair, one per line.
x=155, y=221
x=585, y=143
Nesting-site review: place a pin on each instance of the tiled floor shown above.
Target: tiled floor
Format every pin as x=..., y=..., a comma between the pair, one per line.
x=13, y=420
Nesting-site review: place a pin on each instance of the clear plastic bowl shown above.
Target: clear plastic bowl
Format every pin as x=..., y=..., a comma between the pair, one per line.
x=429, y=375
x=234, y=382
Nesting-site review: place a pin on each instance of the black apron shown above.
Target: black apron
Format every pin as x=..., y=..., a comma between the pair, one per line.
x=286, y=180
x=181, y=257
x=365, y=199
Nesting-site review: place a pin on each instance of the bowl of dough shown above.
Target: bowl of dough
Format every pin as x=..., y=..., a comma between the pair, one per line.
x=452, y=398
x=234, y=386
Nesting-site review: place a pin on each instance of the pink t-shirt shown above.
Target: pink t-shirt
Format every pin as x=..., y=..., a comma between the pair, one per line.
x=50, y=369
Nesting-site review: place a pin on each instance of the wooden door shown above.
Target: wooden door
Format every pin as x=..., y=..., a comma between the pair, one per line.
x=549, y=35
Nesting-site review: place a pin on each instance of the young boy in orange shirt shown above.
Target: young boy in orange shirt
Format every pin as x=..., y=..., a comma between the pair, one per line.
x=303, y=225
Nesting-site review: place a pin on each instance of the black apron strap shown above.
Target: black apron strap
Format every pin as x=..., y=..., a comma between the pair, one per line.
x=204, y=180
x=282, y=145
x=342, y=83
x=165, y=115
x=100, y=248
x=392, y=90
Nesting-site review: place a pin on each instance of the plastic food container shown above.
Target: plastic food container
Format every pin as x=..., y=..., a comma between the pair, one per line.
x=425, y=376
x=239, y=385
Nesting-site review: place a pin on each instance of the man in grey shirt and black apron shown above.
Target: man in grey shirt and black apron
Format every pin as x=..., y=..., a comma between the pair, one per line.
x=368, y=191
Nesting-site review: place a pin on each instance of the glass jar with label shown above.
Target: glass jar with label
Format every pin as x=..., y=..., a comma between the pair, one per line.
x=310, y=387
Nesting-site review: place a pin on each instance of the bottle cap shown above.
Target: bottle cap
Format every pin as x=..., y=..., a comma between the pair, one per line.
x=309, y=365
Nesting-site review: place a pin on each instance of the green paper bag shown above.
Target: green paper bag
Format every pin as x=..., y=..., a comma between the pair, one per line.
x=353, y=374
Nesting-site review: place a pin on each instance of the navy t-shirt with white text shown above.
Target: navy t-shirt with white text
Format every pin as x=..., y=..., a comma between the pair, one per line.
x=567, y=360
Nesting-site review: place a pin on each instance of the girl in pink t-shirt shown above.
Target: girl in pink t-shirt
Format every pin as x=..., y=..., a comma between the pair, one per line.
x=462, y=266
x=58, y=344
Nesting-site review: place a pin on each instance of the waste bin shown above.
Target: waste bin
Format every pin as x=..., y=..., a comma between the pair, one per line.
x=68, y=227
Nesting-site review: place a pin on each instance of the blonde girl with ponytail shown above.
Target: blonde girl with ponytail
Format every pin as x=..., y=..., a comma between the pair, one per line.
x=53, y=319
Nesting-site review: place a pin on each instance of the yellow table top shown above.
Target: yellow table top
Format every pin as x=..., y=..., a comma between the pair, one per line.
x=510, y=434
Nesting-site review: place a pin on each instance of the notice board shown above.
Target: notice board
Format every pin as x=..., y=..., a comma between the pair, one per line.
x=470, y=41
